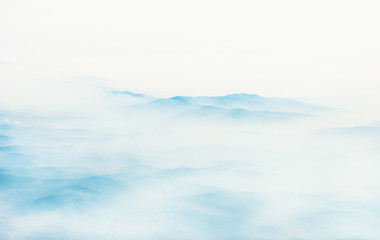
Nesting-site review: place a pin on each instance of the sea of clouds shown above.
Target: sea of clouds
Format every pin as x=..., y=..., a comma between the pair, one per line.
x=122, y=165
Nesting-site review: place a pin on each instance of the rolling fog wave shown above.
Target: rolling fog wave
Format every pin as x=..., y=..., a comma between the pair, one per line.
x=231, y=167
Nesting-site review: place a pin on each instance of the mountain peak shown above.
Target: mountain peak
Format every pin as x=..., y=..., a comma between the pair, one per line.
x=241, y=95
x=180, y=98
x=129, y=93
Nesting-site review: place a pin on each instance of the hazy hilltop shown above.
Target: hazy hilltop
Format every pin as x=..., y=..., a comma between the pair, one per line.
x=233, y=107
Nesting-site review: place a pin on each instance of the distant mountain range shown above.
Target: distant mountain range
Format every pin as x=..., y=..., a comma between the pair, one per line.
x=239, y=106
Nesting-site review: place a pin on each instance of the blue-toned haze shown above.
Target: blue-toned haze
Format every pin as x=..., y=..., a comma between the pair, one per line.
x=239, y=166
x=202, y=119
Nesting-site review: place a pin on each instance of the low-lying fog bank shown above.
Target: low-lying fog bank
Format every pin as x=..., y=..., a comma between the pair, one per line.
x=131, y=166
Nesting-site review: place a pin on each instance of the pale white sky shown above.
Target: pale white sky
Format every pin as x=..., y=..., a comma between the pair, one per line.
x=322, y=51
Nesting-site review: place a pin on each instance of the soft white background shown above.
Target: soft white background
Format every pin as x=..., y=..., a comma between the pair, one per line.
x=319, y=51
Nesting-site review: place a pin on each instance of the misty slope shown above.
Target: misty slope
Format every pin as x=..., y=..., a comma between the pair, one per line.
x=239, y=114
x=255, y=102
x=132, y=98
x=246, y=107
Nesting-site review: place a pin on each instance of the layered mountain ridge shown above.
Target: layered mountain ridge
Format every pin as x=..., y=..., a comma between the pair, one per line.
x=239, y=106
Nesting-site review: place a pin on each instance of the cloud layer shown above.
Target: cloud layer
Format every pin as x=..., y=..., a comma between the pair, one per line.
x=231, y=167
